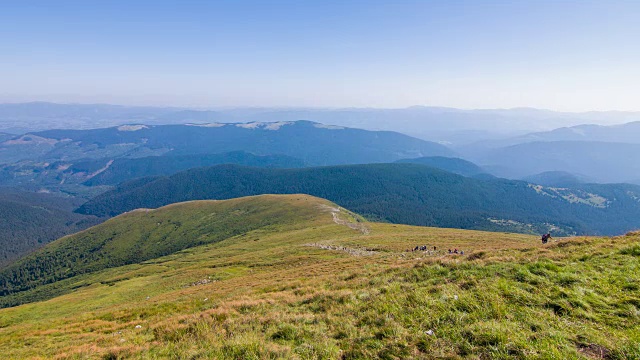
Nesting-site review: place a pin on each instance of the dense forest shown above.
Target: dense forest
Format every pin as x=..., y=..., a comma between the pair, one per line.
x=88, y=177
x=126, y=169
x=454, y=165
x=31, y=220
x=399, y=193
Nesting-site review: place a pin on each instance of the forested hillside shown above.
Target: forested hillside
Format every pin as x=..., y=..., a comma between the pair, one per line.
x=67, y=175
x=557, y=178
x=31, y=220
x=454, y=165
x=399, y=193
x=127, y=169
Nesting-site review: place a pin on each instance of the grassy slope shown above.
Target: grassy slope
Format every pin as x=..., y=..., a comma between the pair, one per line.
x=147, y=234
x=269, y=296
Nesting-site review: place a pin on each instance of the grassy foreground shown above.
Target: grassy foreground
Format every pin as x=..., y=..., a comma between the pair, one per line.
x=317, y=289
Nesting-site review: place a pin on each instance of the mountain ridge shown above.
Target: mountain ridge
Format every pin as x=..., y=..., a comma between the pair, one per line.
x=312, y=142
x=399, y=193
x=74, y=174
x=444, y=122
x=146, y=234
x=454, y=165
x=604, y=162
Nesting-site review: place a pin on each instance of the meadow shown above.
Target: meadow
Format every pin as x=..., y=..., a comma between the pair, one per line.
x=311, y=288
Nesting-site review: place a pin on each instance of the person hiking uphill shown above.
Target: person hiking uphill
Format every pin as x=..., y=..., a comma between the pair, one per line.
x=545, y=238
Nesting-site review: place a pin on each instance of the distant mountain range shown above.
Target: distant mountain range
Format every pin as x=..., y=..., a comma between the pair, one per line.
x=447, y=125
x=599, y=161
x=504, y=142
x=622, y=133
x=20, y=118
x=604, y=154
x=399, y=193
x=314, y=143
x=69, y=175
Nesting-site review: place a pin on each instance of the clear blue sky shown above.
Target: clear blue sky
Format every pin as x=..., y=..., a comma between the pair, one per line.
x=565, y=55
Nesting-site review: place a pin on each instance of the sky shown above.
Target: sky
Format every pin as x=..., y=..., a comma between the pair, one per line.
x=560, y=55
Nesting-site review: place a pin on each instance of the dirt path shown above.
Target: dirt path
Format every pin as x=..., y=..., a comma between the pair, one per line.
x=352, y=225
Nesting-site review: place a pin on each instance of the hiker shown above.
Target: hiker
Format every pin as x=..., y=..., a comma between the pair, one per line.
x=449, y=251
x=434, y=248
x=461, y=252
x=455, y=251
x=545, y=238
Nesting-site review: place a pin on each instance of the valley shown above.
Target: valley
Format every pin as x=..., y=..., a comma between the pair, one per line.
x=31, y=220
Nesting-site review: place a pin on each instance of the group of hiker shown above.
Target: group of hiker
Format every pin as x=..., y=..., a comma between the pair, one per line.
x=422, y=248
x=428, y=248
x=545, y=239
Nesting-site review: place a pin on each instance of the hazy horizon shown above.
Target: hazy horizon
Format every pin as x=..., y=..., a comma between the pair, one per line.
x=44, y=100
x=561, y=56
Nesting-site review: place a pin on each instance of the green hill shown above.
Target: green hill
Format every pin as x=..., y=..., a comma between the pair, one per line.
x=318, y=284
x=400, y=193
x=31, y=220
x=147, y=234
